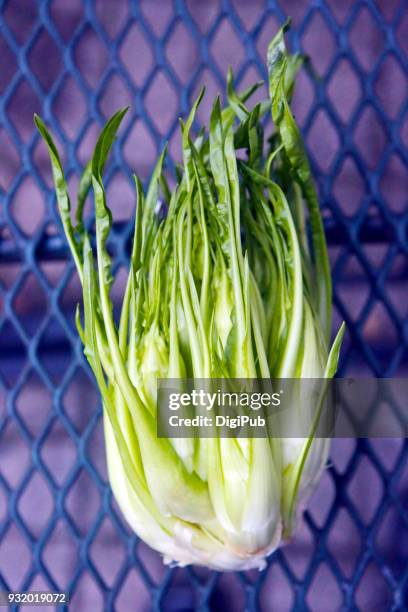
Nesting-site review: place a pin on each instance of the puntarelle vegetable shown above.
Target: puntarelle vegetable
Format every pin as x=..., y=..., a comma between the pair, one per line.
x=225, y=284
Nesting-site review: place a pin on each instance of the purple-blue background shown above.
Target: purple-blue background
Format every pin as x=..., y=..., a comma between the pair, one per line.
x=75, y=63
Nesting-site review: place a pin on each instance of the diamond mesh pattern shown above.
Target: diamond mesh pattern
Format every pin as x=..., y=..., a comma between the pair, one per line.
x=74, y=63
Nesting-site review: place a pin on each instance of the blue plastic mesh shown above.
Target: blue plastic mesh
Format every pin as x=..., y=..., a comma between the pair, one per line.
x=74, y=63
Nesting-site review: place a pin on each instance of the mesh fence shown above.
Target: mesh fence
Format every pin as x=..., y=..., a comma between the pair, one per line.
x=76, y=62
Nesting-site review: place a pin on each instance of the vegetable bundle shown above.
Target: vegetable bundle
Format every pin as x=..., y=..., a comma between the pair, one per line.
x=225, y=284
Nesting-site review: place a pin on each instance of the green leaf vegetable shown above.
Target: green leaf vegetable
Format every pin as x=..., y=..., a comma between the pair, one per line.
x=227, y=284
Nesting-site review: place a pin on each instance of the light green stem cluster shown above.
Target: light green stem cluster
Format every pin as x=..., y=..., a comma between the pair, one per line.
x=226, y=285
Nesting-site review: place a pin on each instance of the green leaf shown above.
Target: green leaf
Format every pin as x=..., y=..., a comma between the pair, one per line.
x=83, y=189
x=61, y=190
x=294, y=149
x=185, y=131
x=234, y=100
x=105, y=142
